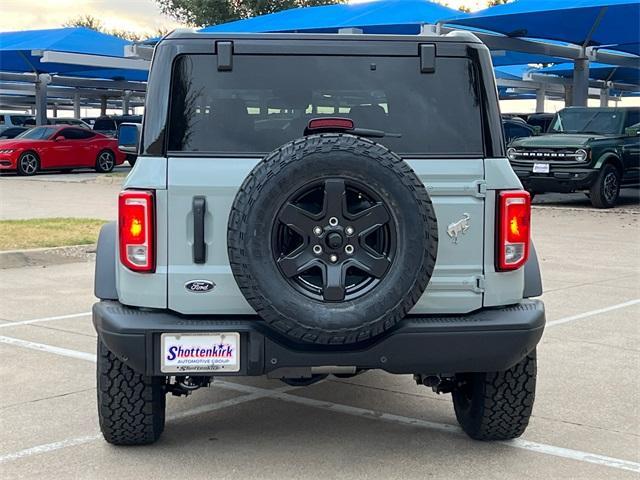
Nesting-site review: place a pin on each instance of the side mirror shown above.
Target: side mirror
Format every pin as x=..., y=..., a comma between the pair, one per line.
x=632, y=131
x=60, y=138
x=129, y=137
x=537, y=129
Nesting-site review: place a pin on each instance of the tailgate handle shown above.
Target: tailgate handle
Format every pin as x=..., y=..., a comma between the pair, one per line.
x=199, y=246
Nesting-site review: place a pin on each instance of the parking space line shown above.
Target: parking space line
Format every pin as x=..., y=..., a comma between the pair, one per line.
x=45, y=319
x=65, y=352
x=444, y=427
x=591, y=313
x=279, y=394
x=73, y=442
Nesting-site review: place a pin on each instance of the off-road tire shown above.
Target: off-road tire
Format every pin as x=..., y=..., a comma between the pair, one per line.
x=279, y=175
x=497, y=405
x=131, y=406
x=599, y=196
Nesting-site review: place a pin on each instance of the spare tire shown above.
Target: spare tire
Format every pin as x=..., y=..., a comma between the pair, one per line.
x=332, y=239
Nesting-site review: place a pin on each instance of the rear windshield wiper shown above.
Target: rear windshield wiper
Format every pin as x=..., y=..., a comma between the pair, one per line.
x=370, y=132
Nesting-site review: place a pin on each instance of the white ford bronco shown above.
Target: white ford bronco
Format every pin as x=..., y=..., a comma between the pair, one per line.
x=313, y=205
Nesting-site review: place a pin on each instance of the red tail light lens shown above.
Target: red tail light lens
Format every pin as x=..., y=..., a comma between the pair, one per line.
x=137, y=230
x=514, y=219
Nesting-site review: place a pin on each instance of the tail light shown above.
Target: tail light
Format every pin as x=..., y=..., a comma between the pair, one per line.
x=514, y=218
x=137, y=230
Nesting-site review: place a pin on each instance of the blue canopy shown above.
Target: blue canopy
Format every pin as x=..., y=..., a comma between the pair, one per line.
x=384, y=16
x=17, y=48
x=598, y=71
x=611, y=23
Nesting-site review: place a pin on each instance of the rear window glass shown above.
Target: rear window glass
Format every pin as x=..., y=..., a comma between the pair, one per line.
x=265, y=102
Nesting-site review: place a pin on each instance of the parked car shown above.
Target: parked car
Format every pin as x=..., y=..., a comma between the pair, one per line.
x=540, y=120
x=250, y=246
x=12, y=132
x=516, y=128
x=109, y=125
x=12, y=119
x=593, y=150
x=89, y=120
x=76, y=122
x=59, y=148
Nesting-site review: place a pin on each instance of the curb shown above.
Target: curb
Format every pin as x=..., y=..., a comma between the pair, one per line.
x=44, y=257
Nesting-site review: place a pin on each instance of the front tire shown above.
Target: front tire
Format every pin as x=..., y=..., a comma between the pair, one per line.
x=28, y=164
x=131, y=406
x=604, y=193
x=496, y=405
x=105, y=162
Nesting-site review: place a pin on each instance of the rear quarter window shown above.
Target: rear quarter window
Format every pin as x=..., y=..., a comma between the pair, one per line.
x=266, y=101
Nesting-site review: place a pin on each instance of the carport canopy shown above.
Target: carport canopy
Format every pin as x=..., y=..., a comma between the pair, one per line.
x=80, y=53
x=384, y=16
x=610, y=24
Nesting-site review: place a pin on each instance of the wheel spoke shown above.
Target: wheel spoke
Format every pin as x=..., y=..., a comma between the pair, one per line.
x=333, y=283
x=370, y=219
x=374, y=265
x=334, y=198
x=297, y=218
x=296, y=262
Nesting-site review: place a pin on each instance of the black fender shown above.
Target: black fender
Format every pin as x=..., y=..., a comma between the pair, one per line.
x=105, y=278
x=532, y=276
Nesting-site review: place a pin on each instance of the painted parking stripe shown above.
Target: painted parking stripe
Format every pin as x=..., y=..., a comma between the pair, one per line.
x=45, y=319
x=443, y=427
x=591, y=313
x=375, y=415
x=65, y=352
x=73, y=442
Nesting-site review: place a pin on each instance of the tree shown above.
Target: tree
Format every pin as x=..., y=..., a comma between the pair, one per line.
x=201, y=13
x=93, y=23
x=493, y=3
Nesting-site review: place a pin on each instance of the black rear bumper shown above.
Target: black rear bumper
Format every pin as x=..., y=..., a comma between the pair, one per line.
x=486, y=340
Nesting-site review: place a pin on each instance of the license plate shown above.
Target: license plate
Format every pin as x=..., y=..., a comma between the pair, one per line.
x=200, y=352
x=540, y=168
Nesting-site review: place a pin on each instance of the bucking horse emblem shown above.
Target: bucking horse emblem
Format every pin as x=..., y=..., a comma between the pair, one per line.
x=459, y=227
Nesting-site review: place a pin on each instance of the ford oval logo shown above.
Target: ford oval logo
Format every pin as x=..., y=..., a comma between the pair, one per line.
x=199, y=286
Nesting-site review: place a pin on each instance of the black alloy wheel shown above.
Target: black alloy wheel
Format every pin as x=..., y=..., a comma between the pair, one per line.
x=334, y=239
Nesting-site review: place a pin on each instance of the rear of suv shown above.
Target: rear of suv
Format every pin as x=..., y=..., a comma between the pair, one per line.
x=307, y=205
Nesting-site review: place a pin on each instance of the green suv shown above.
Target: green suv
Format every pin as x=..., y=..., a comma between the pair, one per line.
x=595, y=150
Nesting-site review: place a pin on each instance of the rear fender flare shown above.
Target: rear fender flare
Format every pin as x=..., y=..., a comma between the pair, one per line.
x=105, y=276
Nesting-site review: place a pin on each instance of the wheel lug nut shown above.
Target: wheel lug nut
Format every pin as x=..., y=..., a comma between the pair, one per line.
x=317, y=231
x=349, y=230
x=348, y=249
x=317, y=249
x=333, y=221
x=333, y=258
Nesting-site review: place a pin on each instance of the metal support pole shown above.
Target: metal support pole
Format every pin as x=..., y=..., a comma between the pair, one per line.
x=604, y=97
x=76, y=105
x=568, y=95
x=541, y=94
x=126, y=98
x=580, y=82
x=103, y=106
x=54, y=110
x=41, y=98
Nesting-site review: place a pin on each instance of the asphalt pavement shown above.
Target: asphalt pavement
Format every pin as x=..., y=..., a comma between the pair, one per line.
x=377, y=426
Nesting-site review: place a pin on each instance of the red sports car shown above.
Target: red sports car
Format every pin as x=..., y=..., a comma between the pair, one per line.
x=59, y=147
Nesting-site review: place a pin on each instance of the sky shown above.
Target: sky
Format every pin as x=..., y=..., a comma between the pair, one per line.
x=141, y=16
